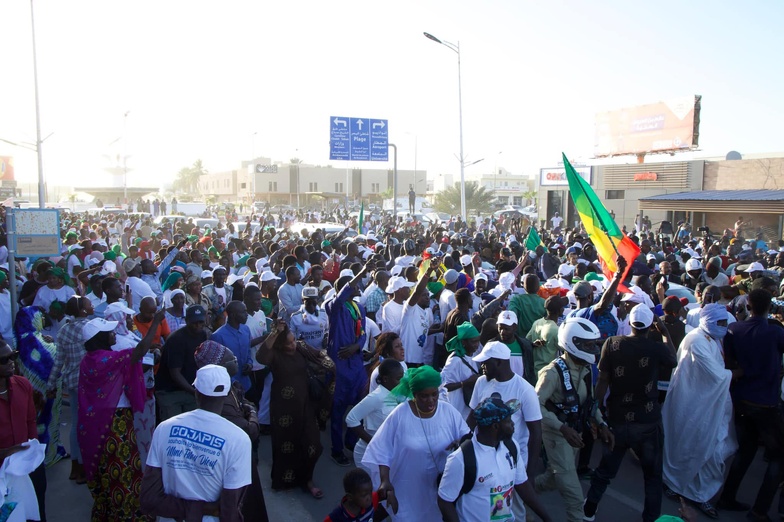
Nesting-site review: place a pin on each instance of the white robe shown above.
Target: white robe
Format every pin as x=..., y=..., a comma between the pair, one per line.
x=697, y=416
x=404, y=443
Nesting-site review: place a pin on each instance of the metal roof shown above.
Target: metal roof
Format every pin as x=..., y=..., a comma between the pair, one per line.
x=729, y=201
x=721, y=195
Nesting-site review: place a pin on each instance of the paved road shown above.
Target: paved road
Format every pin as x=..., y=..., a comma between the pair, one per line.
x=67, y=502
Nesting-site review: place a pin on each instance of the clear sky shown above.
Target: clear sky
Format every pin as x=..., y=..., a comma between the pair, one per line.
x=200, y=78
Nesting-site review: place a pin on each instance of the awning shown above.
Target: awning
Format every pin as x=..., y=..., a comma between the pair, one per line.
x=728, y=201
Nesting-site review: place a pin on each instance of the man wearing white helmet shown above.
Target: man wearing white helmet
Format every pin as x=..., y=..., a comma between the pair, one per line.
x=310, y=322
x=566, y=400
x=693, y=273
x=629, y=368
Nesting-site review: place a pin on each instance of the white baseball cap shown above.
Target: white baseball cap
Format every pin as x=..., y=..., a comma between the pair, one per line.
x=565, y=270
x=480, y=276
x=109, y=267
x=267, y=276
x=206, y=273
x=396, y=270
x=640, y=317
x=507, y=317
x=450, y=276
x=97, y=325
x=755, y=267
x=493, y=350
x=213, y=381
x=346, y=272
x=396, y=283
x=118, y=306
x=465, y=260
x=310, y=292
x=693, y=264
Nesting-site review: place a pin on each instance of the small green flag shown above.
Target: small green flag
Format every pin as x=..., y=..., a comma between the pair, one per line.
x=533, y=240
x=361, y=216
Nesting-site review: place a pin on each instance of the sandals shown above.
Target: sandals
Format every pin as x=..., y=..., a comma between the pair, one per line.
x=314, y=492
x=708, y=509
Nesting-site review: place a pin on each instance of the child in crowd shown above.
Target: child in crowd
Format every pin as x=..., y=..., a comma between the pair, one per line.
x=360, y=501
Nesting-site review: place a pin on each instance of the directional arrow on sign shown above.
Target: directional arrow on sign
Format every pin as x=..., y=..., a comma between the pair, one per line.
x=359, y=124
x=338, y=122
x=378, y=124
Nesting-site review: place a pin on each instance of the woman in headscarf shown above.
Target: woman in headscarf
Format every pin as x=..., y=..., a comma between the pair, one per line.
x=175, y=314
x=57, y=289
x=694, y=458
x=296, y=410
x=173, y=282
x=111, y=388
x=194, y=295
x=365, y=418
x=70, y=351
x=36, y=358
x=241, y=412
x=411, y=446
x=460, y=371
x=214, y=256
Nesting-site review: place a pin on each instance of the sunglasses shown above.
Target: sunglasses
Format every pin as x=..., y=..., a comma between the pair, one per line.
x=8, y=358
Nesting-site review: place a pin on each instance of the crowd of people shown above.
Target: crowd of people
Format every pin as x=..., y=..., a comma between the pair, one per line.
x=462, y=370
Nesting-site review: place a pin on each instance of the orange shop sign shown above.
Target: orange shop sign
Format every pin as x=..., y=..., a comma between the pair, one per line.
x=646, y=176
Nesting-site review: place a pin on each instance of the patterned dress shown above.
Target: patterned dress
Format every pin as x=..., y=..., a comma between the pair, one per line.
x=295, y=419
x=36, y=357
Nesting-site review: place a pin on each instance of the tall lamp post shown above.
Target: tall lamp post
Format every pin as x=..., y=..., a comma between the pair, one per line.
x=456, y=49
x=38, y=141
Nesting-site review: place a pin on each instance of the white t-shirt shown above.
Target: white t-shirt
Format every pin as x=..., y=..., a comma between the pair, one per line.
x=200, y=454
x=515, y=388
x=556, y=221
x=496, y=477
x=374, y=376
x=257, y=323
x=140, y=289
x=310, y=328
x=456, y=370
x=416, y=322
x=392, y=317
x=446, y=303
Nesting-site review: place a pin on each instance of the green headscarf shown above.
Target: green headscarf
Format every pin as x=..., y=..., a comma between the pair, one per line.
x=435, y=287
x=212, y=250
x=243, y=260
x=416, y=380
x=111, y=255
x=173, y=277
x=59, y=272
x=464, y=331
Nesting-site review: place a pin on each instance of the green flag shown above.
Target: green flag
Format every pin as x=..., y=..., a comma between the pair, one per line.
x=533, y=240
x=361, y=216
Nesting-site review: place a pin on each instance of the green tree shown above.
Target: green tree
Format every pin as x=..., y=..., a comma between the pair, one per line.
x=187, y=180
x=530, y=196
x=477, y=199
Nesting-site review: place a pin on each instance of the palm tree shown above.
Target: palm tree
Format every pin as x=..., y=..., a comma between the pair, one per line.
x=477, y=199
x=530, y=196
x=187, y=179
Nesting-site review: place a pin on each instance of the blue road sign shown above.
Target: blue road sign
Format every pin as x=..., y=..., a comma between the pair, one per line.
x=358, y=139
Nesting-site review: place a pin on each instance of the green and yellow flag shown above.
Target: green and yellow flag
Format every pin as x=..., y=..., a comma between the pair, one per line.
x=609, y=240
x=361, y=216
x=533, y=239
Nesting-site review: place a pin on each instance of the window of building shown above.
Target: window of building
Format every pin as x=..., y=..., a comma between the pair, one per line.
x=375, y=188
x=243, y=185
x=313, y=186
x=339, y=188
x=518, y=200
x=273, y=186
x=615, y=194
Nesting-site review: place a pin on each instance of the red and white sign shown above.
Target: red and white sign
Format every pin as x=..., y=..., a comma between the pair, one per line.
x=557, y=176
x=646, y=176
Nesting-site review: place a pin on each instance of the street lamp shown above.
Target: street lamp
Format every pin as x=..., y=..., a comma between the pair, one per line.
x=456, y=49
x=38, y=141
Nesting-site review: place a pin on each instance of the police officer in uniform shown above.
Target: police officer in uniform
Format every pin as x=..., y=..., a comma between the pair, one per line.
x=568, y=408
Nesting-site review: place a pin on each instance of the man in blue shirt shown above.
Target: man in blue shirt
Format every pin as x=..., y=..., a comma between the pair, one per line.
x=346, y=337
x=753, y=350
x=235, y=335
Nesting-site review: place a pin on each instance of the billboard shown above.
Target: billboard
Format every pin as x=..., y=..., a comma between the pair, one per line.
x=657, y=127
x=6, y=168
x=557, y=176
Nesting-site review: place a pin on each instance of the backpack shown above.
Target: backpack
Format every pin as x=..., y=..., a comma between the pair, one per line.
x=469, y=462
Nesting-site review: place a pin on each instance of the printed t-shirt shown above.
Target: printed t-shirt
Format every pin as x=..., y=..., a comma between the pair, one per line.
x=413, y=334
x=200, y=454
x=496, y=475
x=515, y=388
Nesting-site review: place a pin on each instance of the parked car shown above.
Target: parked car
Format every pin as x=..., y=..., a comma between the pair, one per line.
x=206, y=222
